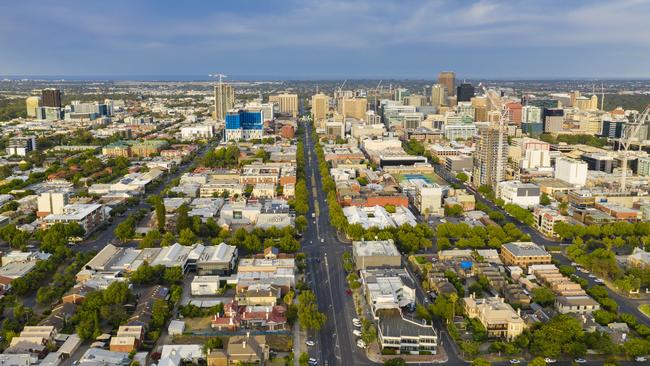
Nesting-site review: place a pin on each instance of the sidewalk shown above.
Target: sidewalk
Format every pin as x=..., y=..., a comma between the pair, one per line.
x=299, y=346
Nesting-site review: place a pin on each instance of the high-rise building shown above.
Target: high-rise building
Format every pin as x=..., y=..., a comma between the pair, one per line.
x=287, y=103
x=51, y=98
x=224, y=100
x=465, y=92
x=491, y=156
x=320, y=106
x=400, y=94
x=554, y=120
x=531, y=120
x=415, y=100
x=32, y=104
x=613, y=129
x=21, y=145
x=514, y=113
x=448, y=80
x=243, y=125
x=571, y=171
x=480, y=104
x=438, y=95
x=372, y=118
x=354, y=108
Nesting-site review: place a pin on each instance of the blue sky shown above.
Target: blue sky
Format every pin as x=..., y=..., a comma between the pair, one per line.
x=327, y=38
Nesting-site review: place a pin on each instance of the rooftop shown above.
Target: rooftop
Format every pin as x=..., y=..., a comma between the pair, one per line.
x=525, y=249
x=375, y=247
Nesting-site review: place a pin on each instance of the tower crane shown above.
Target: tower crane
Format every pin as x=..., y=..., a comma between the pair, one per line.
x=630, y=133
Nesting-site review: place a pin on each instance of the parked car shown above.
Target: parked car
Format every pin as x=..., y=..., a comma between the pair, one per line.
x=361, y=344
x=357, y=332
x=580, y=360
x=598, y=280
x=515, y=361
x=550, y=360
x=310, y=343
x=640, y=359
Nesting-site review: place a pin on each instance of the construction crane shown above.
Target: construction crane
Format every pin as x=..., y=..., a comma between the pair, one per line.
x=341, y=87
x=503, y=128
x=630, y=133
x=218, y=102
x=377, y=95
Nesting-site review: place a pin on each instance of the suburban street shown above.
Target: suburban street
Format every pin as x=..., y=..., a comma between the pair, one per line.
x=99, y=239
x=625, y=305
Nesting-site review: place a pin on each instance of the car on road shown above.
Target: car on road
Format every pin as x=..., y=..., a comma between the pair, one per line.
x=312, y=361
x=515, y=361
x=443, y=220
x=598, y=280
x=591, y=275
x=550, y=360
x=640, y=359
x=322, y=240
x=361, y=344
x=580, y=360
x=310, y=343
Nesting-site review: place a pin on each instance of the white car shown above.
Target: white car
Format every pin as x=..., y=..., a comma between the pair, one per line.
x=310, y=343
x=580, y=360
x=361, y=344
x=515, y=361
x=598, y=280
x=640, y=359
x=550, y=360
x=358, y=325
x=591, y=275
x=356, y=320
x=357, y=332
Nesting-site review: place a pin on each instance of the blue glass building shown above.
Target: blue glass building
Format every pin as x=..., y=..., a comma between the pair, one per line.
x=244, y=125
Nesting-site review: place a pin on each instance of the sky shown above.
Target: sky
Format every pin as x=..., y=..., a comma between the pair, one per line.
x=323, y=39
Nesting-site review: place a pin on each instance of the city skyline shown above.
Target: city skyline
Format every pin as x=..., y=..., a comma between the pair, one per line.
x=328, y=39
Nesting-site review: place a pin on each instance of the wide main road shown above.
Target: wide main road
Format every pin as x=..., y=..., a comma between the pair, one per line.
x=336, y=345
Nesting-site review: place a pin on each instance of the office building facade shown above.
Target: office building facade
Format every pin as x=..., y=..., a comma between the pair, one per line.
x=243, y=125
x=51, y=98
x=465, y=92
x=448, y=80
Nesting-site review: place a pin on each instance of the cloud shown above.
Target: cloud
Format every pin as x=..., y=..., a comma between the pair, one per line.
x=339, y=30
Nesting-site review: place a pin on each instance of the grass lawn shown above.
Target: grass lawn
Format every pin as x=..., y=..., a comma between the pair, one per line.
x=645, y=309
x=198, y=323
x=280, y=342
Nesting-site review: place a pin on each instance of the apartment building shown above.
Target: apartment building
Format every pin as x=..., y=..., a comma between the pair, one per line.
x=545, y=220
x=88, y=216
x=499, y=318
x=524, y=254
x=405, y=336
